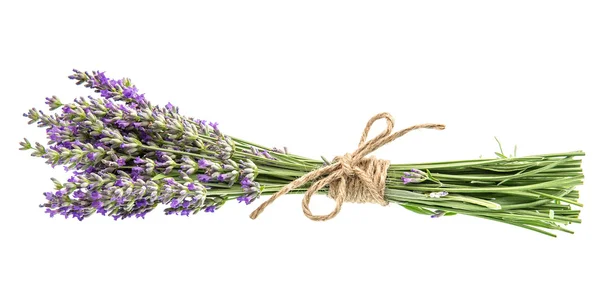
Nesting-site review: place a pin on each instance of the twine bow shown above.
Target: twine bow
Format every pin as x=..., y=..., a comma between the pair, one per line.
x=352, y=177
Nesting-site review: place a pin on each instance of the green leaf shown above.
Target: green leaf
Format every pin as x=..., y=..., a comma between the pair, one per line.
x=500, y=155
x=418, y=209
x=501, y=151
x=433, y=178
x=159, y=177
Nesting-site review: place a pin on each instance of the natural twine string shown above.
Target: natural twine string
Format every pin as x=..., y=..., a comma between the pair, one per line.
x=351, y=177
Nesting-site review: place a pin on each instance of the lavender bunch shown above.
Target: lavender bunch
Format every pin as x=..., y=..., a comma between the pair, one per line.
x=128, y=156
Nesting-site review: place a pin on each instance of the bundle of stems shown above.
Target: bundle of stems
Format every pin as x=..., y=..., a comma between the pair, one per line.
x=532, y=192
x=129, y=156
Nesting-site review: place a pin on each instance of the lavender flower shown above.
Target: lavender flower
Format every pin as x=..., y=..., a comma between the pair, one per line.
x=97, y=136
x=130, y=92
x=414, y=176
x=95, y=195
x=79, y=194
x=204, y=178
x=53, y=102
x=244, y=199
x=437, y=214
x=204, y=163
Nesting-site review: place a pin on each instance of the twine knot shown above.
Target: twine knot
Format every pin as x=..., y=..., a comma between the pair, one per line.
x=352, y=177
x=348, y=164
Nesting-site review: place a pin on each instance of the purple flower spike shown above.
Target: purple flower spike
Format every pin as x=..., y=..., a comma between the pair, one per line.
x=191, y=187
x=267, y=155
x=246, y=182
x=79, y=194
x=406, y=180
x=244, y=199
x=139, y=98
x=51, y=212
x=91, y=155
x=121, y=161
x=203, y=178
x=53, y=102
x=130, y=92
x=102, y=78
x=174, y=203
x=95, y=195
x=106, y=94
x=210, y=209
x=185, y=212
x=169, y=106
x=138, y=160
x=136, y=171
x=203, y=163
x=122, y=124
x=141, y=203
x=67, y=110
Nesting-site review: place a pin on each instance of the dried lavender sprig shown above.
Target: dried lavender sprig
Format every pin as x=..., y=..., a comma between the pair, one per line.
x=121, y=89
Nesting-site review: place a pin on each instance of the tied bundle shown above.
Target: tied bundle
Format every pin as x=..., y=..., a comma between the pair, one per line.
x=127, y=157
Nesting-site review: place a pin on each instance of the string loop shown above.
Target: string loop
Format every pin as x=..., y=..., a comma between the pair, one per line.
x=352, y=177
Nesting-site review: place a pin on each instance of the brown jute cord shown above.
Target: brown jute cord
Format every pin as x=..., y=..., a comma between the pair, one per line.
x=351, y=177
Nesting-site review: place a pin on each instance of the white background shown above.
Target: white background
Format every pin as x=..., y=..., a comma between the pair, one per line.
x=308, y=75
